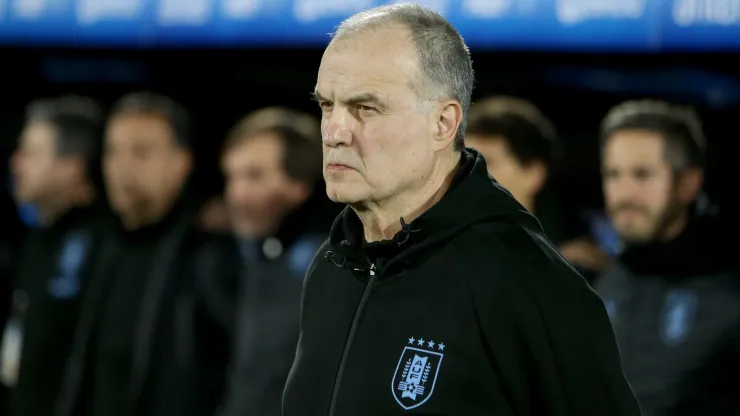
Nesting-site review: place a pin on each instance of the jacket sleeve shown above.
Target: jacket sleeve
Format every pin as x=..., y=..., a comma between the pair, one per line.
x=547, y=332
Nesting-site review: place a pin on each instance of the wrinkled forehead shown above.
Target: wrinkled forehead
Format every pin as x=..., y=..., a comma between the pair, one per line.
x=383, y=60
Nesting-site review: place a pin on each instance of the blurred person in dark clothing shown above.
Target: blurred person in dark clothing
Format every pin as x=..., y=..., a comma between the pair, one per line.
x=272, y=164
x=53, y=169
x=11, y=237
x=154, y=334
x=673, y=296
x=521, y=148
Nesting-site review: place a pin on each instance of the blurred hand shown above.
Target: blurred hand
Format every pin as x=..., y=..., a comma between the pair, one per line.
x=583, y=252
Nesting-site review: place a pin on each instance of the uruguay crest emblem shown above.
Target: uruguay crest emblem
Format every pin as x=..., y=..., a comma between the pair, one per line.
x=67, y=283
x=678, y=317
x=416, y=372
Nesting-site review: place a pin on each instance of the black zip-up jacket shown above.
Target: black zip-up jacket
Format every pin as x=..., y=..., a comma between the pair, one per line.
x=675, y=308
x=184, y=329
x=469, y=310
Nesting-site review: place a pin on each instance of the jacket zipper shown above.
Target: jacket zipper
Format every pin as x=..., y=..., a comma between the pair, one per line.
x=350, y=340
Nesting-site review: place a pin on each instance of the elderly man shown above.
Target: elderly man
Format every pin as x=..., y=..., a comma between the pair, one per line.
x=436, y=292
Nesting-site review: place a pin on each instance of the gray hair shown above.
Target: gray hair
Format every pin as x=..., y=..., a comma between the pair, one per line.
x=444, y=59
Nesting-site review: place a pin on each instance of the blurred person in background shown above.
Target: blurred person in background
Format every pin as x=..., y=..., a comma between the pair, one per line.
x=11, y=236
x=272, y=164
x=521, y=148
x=673, y=295
x=53, y=169
x=437, y=293
x=154, y=335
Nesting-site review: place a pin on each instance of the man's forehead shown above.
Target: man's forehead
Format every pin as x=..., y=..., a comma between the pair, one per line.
x=37, y=128
x=365, y=62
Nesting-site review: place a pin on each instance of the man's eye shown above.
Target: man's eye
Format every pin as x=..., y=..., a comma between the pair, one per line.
x=365, y=108
x=325, y=104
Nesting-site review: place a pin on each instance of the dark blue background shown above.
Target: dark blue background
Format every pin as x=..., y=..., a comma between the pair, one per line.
x=635, y=25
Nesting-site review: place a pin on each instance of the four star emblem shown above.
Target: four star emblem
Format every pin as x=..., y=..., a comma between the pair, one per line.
x=429, y=344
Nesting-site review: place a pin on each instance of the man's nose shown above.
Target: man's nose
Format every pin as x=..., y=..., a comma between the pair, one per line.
x=338, y=131
x=628, y=188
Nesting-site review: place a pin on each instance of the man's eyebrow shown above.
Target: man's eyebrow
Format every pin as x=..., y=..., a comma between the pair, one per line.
x=362, y=98
x=365, y=98
x=317, y=96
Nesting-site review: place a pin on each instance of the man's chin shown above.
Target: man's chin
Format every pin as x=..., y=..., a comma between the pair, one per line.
x=338, y=198
x=635, y=236
x=340, y=195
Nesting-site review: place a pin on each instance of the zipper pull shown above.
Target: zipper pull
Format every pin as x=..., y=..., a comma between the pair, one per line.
x=372, y=269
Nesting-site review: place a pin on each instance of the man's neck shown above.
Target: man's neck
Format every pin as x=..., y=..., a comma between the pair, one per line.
x=133, y=221
x=149, y=214
x=528, y=204
x=382, y=221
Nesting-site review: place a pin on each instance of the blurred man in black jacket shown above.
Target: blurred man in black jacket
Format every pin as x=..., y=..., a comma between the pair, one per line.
x=272, y=163
x=11, y=236
x=53, y=169
x=673, y=295
x=154, y=334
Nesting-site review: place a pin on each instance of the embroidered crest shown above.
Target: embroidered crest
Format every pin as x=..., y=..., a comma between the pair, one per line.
x=679, y=314
x=416, y=372
x=66, y=284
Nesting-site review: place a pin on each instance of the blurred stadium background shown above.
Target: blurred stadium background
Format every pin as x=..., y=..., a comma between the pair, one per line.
x=223, y=58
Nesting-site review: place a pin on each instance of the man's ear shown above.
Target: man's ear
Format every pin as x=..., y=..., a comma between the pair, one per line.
x=689, y=184
x=448, y=117
x=536, y=176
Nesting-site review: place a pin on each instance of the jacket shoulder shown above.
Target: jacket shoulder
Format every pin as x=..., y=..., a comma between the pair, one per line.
x=533, y=306
x=518, y=260
x=522, y=251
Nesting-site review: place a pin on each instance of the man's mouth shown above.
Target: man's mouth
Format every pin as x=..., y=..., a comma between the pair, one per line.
x=337, y=167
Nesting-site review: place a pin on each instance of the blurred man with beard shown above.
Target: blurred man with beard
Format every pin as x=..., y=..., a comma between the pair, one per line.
x=673, y=296
x=154, y=334
x=53, y=168
x=272, y=163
